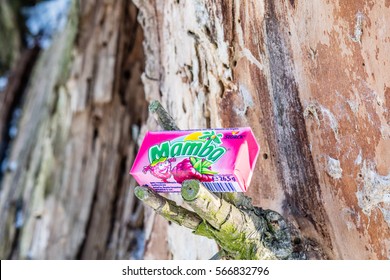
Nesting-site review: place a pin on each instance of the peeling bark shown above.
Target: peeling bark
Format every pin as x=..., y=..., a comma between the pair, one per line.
x=308, y=78
x=69, y=197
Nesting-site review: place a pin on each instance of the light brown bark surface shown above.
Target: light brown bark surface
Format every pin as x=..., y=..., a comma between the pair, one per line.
x=310, y=78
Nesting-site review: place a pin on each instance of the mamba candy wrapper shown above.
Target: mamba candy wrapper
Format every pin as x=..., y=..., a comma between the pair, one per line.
x=222, y=159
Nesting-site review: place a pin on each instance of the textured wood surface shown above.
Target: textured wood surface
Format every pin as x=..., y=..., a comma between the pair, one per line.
x=69, y=196
x=310, y=79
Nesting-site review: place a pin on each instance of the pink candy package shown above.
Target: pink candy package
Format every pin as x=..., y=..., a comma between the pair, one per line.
x=222, y=159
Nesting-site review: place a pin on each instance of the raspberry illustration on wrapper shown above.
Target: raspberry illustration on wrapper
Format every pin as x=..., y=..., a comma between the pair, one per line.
x=193, y=168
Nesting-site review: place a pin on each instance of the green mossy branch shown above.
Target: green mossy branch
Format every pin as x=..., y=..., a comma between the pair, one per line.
x=168, y=208
x=162, y=116
x=237, y=231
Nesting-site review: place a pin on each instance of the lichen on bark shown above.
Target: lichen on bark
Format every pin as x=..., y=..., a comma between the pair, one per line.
x=10, y=43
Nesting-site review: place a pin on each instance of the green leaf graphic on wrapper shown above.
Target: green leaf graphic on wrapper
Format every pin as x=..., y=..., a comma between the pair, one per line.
x=202, y=166
x=210, y=135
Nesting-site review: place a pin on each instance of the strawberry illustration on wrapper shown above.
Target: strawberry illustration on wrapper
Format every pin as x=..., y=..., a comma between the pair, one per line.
x=222, y=159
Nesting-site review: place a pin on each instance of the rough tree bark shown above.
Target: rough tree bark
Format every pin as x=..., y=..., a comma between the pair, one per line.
x=309, y=77
x=67, y=195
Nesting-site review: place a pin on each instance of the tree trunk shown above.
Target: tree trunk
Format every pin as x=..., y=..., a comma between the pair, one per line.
x=67, y=195
x=309, y=77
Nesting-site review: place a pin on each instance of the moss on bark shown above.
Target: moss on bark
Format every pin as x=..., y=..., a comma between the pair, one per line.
x=10, y=37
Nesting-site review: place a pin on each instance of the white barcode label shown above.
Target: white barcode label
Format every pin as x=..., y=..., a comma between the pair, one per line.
x=222, y=186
